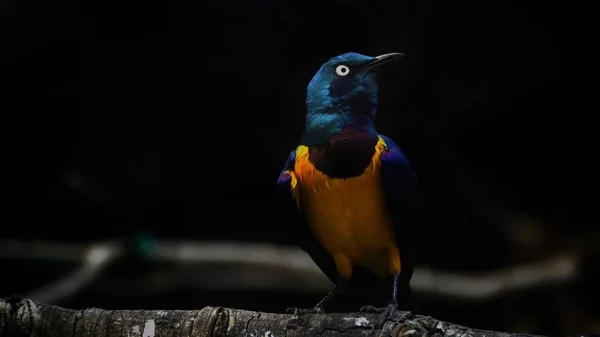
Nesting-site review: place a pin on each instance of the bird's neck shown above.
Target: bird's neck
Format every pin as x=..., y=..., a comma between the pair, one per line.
x=345, y=153
x=321, y=128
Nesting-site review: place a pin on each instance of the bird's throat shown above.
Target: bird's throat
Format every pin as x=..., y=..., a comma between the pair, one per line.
x=322, y=127
x=346, y=153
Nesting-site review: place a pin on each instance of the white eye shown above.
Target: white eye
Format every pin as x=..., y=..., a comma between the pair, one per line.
x=342, y=70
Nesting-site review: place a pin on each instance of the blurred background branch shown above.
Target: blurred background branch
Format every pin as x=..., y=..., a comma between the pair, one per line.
x=237, y=265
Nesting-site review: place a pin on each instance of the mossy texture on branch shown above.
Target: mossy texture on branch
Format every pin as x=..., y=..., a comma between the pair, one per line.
x=23, y=317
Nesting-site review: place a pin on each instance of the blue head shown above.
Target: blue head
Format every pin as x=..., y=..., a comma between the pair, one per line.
x=342, y=93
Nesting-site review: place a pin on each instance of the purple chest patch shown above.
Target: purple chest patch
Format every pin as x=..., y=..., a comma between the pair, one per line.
x=347, y=155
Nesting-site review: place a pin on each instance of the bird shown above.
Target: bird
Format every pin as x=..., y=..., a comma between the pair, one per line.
x=352, y=189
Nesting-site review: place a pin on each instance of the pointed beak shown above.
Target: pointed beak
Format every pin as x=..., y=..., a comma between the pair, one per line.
x=380, y=60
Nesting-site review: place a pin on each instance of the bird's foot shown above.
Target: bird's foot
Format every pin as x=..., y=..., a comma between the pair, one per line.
x=297, y=311
x=384, y=313
x=369, y=309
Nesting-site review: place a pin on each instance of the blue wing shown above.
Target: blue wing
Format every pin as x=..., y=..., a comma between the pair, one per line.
x=403, y=198
x=399, y=180
x=286, y=190
x=298, y=230
x=284, y=181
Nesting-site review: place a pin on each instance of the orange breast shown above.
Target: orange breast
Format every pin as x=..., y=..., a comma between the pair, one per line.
x=348, y=216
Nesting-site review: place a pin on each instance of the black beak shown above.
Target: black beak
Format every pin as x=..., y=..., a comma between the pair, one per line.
x=379, y=60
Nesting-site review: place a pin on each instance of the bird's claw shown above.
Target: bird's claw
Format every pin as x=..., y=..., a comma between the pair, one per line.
x=384, y=313
x=297, y=311
x=369, y=309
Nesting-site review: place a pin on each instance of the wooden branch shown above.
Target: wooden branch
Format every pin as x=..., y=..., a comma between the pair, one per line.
x=24, y=317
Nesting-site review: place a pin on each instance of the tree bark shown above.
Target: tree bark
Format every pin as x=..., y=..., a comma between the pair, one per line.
x=24, y=317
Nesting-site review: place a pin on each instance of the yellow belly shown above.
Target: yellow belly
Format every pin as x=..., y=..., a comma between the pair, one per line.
x=348, y=216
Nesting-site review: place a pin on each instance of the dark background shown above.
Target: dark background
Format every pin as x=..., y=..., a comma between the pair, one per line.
x=175, y=118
